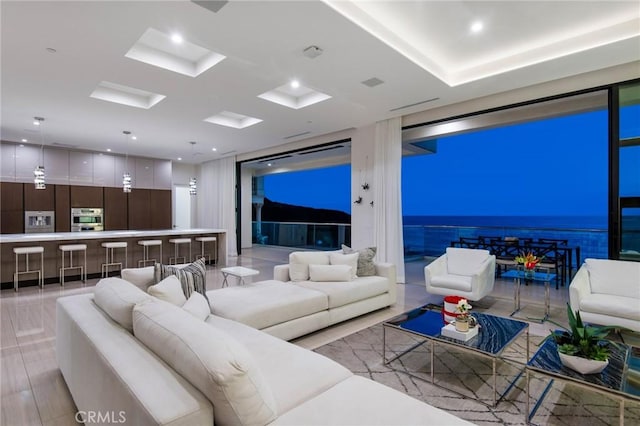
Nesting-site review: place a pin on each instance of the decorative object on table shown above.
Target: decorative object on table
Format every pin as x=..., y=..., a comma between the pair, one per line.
x=449, y=308
x=528, y=262
x=463, y=315
x=582, y=348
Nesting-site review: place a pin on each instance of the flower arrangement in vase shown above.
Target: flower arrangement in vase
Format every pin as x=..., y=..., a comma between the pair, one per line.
x=463, y=317
x=582, y=347
x=529, y=262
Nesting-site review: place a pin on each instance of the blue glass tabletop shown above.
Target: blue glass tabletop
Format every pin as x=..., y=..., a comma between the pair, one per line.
x=494, y=335
x=621, y=375
x=536, y=276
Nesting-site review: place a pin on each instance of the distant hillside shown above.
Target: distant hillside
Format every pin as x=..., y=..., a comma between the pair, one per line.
x=272, y=211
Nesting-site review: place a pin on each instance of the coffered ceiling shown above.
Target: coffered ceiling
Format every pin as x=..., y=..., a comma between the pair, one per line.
x=95, y=68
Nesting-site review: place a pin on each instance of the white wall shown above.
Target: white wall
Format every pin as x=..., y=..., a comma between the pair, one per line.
x=362, y=219
x=180, y=176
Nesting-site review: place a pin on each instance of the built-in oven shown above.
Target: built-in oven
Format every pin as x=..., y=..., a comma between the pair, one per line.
x=87, y=219
x=39, y=221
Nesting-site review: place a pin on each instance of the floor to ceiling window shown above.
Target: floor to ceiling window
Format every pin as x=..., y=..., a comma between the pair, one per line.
x=537, y=171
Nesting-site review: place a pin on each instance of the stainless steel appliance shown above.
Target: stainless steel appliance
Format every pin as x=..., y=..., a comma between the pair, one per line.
x=39, y=221
x=87, y=219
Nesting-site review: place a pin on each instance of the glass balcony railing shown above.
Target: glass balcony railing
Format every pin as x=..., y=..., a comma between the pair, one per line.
x=424, y=240
x=316, y=236
x=432, y=240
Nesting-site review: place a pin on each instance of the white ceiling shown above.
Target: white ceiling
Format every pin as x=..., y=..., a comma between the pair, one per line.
x=421, y=50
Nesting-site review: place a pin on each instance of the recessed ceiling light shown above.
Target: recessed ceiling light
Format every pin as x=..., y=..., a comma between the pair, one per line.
x=477, y=27
x=269, y=164
x=134, y=137
x=295, y=84
x=36, y=122
x=179, y=158
x=51, y=50
x=108, y=149
x=176, y=38
x=24, y=140
x=214, y=149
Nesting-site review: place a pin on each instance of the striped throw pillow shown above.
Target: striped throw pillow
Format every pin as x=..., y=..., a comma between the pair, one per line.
x=192, y=277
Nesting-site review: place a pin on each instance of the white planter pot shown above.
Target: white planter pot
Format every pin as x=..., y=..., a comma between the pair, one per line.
x=582, y=365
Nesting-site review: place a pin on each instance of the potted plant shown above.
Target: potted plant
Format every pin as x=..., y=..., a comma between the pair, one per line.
x=463, y=315
x=582, y=347
x=529, y=262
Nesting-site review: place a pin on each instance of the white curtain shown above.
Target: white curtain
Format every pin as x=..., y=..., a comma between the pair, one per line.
x=217, y=198
x=387, y=194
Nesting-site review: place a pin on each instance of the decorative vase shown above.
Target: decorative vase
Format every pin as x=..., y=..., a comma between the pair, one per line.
x=529, y=273
x=583, y=365
x=462, y=324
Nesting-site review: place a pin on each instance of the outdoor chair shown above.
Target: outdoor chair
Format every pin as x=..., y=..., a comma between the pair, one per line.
x=468, y=273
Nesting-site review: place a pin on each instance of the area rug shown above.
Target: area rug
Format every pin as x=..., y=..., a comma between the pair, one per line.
x=471, y=375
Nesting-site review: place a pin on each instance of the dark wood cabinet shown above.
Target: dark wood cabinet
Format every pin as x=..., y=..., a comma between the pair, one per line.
x=115, y=209
x=139, y=209
x=63, y=208
x=11, y=208
x=149, y=209
x=86, y=196
x=39, y=199
x=11, y=196
x=160, y=209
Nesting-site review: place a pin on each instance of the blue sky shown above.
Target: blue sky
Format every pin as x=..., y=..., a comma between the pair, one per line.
x=553, y=167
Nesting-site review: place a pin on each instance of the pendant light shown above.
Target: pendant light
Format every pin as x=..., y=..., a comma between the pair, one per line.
x=193, y=186
x=38, y=172
x=126, y=176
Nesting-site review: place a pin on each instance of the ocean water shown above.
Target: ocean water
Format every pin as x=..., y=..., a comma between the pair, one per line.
x=550, y=222
x=431, y=235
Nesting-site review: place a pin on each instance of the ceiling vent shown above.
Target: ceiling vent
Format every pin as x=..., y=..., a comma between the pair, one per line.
x=373, y=82
x=414, y=104
x=296, y=135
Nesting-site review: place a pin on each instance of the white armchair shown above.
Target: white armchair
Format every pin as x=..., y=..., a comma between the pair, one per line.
x=607, y=292
x=468, y=273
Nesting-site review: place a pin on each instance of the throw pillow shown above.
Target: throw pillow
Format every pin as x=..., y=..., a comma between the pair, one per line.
x=192, y=276
x=330, y=273
x=197, y=306
x=117, y=297
x=346, y=259
x=366, y=266
x=299, y=262
x=169, y=290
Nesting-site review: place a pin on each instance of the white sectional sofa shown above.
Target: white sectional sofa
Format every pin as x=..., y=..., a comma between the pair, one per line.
x=607, y=292
x=153, y=363
x=288, y=309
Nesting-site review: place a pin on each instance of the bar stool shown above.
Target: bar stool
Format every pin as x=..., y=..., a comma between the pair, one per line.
x=108, y=256
x=176, y=242
x=145, y=246
x=204, y=240
x=70, y=248
x=27, y=251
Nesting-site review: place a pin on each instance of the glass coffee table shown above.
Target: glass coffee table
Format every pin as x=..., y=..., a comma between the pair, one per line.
x=619, y=380
x=494, y=337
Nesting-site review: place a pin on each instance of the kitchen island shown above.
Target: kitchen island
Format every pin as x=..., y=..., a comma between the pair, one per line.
x=95, y=251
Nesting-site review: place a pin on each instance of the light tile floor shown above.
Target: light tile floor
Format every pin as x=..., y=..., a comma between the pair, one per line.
x=33, y=391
